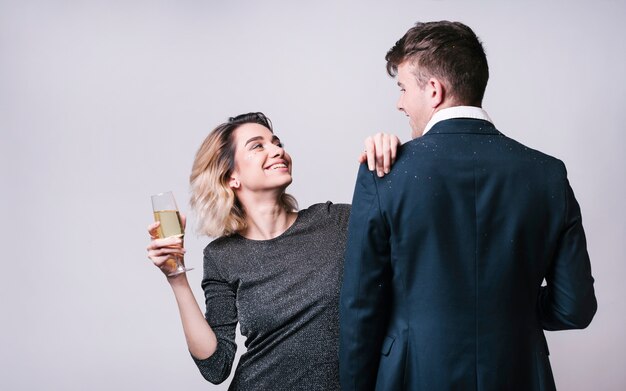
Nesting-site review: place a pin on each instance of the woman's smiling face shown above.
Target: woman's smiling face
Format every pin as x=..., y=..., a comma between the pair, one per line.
x=261, y=163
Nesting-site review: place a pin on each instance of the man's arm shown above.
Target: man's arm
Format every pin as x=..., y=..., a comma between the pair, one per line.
x=568, y=301
x=365, y=294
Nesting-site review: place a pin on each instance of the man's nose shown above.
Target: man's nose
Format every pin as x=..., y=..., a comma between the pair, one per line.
x=399, y=104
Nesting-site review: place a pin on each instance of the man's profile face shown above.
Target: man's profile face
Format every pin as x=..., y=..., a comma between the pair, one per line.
x=412, y=101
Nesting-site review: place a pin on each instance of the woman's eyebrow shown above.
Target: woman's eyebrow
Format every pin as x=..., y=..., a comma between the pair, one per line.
x=254, y=139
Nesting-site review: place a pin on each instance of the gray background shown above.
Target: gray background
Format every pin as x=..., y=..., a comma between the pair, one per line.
x=105, y=103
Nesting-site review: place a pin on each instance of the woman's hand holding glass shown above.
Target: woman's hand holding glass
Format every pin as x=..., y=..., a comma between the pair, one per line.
x=166, y=249
x=165, y=252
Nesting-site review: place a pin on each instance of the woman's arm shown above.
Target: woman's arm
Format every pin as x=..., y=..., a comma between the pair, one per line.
x=201, y=340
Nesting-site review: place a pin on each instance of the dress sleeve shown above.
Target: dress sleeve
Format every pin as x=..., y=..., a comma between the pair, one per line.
x=340, y=213
x=221, y=314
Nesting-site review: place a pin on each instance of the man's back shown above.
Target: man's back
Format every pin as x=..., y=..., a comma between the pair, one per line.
x=445, y=260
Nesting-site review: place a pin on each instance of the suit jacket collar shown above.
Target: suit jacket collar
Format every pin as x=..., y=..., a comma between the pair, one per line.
x=463, y=126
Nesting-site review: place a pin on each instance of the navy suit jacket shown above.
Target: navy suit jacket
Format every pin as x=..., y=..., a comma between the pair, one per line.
x=457, y=261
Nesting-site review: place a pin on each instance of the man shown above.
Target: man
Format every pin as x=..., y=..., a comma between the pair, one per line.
x=447, y=254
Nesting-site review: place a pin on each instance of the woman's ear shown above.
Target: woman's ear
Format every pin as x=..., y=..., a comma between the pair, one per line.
x=234, y=183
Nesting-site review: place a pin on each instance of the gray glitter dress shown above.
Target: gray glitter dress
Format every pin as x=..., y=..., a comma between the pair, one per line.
x=284, y=292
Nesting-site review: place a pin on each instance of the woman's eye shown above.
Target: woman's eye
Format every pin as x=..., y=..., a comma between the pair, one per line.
x=257, y=146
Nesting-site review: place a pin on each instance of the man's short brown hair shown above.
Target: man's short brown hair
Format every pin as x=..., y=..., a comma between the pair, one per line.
x=448, y=51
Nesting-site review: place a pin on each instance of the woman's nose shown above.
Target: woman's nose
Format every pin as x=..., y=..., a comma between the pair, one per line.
x=278, y=151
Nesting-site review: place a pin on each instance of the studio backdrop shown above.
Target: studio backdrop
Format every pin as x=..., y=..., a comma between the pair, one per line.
x=104, y=103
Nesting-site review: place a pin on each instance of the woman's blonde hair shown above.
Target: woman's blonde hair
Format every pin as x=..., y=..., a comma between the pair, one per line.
x=217, y=209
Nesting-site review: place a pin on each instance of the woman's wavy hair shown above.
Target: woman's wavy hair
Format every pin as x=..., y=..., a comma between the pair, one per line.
x=217, y=209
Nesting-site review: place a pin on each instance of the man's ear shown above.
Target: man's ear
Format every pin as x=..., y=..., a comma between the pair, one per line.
x=436, y=92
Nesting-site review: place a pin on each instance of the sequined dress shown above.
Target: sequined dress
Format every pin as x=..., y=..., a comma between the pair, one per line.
x=284, y=292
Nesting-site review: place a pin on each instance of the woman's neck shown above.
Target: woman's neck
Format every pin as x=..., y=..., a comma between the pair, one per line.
x=265, y=218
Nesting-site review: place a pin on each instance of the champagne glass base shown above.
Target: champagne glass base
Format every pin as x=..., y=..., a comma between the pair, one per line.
x=180, y=270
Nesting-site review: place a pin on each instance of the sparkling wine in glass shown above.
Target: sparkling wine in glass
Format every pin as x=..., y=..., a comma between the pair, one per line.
x=166, y=211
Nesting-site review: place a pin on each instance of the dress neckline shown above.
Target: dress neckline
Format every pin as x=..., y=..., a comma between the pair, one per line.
x=287, y=231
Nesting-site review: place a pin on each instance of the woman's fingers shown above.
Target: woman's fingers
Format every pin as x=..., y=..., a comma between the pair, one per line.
x=165, y=257
x=370, y=150
x=363, y=157
x=386, y=153
x=183, y=221
x=165, y=252
x=172, y=241
x=153, y=229
x=158, y=252
x=167, y=263
x=395, y=142
x=380, y=152
x=374, y=151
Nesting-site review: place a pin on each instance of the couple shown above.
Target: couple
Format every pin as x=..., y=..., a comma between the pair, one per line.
x=445, y=257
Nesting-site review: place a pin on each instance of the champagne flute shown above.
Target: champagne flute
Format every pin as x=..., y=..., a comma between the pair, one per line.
x=166, y=211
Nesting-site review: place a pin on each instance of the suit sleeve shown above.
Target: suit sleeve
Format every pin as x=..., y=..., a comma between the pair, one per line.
x=221, y=314
x=365, y=294
x=568, y=300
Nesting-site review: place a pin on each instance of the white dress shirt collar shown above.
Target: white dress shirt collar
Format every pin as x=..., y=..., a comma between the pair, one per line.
x=457, y=112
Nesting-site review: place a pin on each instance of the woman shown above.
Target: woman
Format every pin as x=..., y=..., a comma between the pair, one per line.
x=274, y=270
